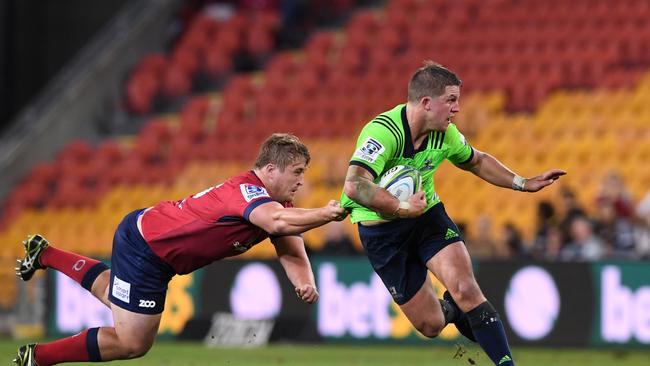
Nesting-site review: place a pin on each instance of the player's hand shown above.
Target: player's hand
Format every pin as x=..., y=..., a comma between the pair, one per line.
x=417, y=205
x=335, y=211
x=545, y=179
x=307, y=293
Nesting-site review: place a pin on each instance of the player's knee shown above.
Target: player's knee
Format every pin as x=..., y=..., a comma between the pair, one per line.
x=136, y=349
x=430, y=329
x=466, y=292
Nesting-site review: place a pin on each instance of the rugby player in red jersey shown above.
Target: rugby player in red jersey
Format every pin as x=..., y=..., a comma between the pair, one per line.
x=177, y=237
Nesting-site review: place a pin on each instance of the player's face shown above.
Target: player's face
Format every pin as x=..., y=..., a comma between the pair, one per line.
x=287, y=182
x=441, y=109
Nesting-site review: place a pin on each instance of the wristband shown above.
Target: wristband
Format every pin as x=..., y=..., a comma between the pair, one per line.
x=402, y=206
x=518, y=183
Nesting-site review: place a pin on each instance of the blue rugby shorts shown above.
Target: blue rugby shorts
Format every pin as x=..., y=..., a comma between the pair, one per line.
x=399, y=249
x=139, y=278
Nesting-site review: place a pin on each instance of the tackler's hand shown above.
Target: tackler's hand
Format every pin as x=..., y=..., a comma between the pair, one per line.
x=307, y=293
x=336, y=212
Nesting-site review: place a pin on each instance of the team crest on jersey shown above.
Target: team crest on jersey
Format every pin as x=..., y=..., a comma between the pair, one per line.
x=369, y=150
x=251, y=192
x=428, y=165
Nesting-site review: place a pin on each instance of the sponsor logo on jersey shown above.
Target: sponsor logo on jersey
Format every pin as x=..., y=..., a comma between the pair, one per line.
x=121, y=290
x=147, y=303
x=251, y=192
x=369, y=150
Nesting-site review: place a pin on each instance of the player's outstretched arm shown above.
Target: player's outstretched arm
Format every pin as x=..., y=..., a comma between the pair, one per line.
x=360, y=188
x=276, y=219
x=293, y=258
x=493, y=171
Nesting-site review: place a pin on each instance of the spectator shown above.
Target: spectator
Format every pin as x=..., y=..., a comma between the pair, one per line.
x=584, y=244
x=616, y=231
x=337, y=241
x=642, y=229
x=553, y=244
x=614, y=192
x=545, y=221
x=514, y=244
x=571, y=208
x=483, y=245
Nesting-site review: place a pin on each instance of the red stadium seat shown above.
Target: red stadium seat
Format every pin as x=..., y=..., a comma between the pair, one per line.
x=44, y=173
x=130, y=171
x=319, y=45
x=217, y=62
x=158, y=130
x=141, y=90
x=187, y=58
x=176, y=82
x=228, y=40
x=259, y=42
x=154, y=63
x=110, y=150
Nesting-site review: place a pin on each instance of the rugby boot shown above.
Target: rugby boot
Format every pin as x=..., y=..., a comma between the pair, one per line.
x=25, y=356
x=34, y=247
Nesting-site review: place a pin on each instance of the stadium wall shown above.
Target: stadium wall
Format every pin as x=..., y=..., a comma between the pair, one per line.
x=80, y=102
x=555, y=304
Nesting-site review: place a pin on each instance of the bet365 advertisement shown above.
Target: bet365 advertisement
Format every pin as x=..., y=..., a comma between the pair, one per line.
x=556, y=304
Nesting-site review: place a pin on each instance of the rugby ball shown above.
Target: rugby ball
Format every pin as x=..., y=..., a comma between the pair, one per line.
x=402, y=181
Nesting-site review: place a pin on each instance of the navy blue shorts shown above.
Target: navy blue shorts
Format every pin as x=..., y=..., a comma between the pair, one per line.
x=399, y=250
x=139, y=277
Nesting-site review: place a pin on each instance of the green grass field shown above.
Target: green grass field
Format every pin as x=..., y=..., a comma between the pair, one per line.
x=176, y=353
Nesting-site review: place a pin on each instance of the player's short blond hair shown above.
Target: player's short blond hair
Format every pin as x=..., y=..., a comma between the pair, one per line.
x=430, y=81
x=281, y=150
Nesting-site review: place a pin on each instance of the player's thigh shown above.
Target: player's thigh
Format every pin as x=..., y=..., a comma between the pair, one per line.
x=100, y=287
x=453, y=268
x=135, y=331
x=423, y=311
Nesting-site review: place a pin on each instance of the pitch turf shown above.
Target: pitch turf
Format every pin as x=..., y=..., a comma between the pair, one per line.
x=187, y=354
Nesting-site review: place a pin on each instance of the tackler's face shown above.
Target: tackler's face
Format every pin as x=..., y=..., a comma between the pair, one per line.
x=287, y=182
x=442, y=109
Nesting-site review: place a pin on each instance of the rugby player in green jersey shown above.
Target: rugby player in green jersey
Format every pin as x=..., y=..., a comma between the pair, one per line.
x=421, y=236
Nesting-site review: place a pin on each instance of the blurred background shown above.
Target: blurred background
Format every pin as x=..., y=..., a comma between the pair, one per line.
x=110, y=106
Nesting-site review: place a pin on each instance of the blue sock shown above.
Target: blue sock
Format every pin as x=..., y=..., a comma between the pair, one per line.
x=488, y=330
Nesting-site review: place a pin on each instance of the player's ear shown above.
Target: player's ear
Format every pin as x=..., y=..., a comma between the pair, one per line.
x=425, y=102
x=270, y=168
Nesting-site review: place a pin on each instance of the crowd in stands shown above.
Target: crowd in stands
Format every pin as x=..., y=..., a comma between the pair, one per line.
x=612, y=228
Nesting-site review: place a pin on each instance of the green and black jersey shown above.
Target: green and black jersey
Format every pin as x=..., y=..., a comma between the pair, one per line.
x=386, y=142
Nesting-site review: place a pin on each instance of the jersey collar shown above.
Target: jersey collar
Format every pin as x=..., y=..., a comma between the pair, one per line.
x=409, y=149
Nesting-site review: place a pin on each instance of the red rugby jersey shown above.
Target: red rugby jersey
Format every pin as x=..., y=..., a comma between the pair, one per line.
x=210, y=225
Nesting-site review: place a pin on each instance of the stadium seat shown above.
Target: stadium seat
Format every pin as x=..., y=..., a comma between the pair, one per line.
x=175, y=82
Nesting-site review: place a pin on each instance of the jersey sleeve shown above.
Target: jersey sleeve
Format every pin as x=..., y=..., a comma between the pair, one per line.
x=247, y=198
x=375, y=146
x=460, y=151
